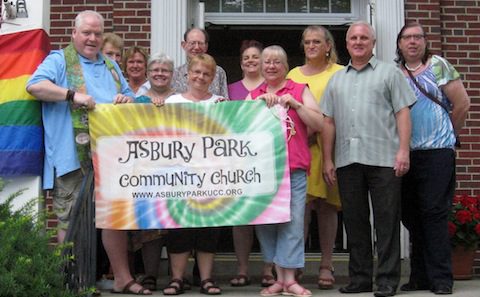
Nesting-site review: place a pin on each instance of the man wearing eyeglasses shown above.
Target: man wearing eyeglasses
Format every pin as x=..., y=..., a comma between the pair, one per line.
x=195, y=42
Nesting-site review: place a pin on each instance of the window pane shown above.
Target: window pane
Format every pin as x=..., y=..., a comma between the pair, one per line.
x=232, y=6
x=297, y=6
x=212, y=6
x=276, y=6
x=319, y=6
x=341, y=6
x=253, y=6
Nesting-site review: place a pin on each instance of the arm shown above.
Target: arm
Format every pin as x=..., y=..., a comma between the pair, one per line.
x=46, y=90
x=328, y=142
x=309, y=111
x=223, y=84
x=458, y=96
x=404, y=128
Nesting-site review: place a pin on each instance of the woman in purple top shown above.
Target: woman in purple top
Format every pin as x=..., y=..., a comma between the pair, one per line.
x=250, y=52
x=250, y=63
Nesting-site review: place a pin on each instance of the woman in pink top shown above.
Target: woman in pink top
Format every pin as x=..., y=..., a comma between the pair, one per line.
x=282, y=244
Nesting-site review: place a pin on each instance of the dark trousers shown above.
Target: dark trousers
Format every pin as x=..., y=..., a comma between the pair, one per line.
x=427, y=193
x=355, y=182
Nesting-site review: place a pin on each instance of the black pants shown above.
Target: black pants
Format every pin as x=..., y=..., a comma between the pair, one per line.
x=355, y=182
x=427, y=193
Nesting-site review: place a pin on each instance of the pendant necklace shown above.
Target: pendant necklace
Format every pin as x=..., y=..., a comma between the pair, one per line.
x=414, y=68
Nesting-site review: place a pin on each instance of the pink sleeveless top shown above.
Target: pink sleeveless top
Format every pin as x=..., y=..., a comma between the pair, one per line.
x=298, y=152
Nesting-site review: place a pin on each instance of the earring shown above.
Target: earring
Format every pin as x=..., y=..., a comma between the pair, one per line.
x=327, y=54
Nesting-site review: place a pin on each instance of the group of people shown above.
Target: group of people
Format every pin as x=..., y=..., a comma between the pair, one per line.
x=367, y=128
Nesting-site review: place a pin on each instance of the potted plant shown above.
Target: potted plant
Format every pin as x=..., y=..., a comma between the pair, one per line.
x=464, y=230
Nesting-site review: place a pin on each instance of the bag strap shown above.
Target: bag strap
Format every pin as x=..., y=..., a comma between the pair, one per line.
x=434, y=99
x=429, y=96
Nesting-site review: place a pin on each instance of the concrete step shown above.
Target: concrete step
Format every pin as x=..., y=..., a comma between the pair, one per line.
x=226, y=264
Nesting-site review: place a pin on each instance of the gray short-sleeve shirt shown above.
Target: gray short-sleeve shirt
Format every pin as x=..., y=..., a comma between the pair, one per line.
x=363, y=104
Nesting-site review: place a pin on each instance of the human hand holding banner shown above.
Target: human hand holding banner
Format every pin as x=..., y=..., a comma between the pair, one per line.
x=189, y=165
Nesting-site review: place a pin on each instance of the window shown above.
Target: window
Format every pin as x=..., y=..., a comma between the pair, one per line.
x=273, y=12
x=278, y=6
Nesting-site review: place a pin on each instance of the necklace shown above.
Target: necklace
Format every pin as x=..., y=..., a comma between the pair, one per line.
x=414, y=68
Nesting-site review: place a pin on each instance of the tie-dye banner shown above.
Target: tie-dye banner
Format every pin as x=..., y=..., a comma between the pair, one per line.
x=189, y=165
x=21, y=132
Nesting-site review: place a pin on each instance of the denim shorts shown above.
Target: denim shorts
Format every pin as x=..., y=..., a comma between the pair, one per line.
x=283, y=244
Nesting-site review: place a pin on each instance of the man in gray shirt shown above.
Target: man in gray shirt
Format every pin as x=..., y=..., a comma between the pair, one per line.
x=367, y=119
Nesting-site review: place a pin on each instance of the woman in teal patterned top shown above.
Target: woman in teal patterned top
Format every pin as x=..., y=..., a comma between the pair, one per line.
x=428, y=187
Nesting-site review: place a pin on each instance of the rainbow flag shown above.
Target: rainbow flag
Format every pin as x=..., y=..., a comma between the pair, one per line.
x=21, y=131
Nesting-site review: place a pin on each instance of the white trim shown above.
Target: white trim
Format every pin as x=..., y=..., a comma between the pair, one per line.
x=279, y=19
x=229, y=18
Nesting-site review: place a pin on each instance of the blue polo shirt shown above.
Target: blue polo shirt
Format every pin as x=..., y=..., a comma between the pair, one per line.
x=60, y=151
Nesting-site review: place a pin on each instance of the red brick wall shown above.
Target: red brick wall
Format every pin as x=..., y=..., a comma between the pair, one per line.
x=129, y=19
x=453, y=29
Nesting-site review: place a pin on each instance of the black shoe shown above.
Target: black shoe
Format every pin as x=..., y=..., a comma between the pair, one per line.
x=384, y=291
x=354, y=288
x=412, y=286
x=442, y=290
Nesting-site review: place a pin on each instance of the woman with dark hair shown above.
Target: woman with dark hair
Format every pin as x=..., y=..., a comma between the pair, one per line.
x=428, y=187
x=250, y=52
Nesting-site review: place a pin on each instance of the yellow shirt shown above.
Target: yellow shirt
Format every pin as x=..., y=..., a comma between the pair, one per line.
x=316, y=186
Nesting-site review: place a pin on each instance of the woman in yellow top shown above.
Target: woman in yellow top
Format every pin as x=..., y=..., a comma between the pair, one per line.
x=320, y=65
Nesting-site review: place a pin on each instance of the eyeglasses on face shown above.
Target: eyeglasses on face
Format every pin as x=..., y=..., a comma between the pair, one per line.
x=194, y=43
x=415, y=37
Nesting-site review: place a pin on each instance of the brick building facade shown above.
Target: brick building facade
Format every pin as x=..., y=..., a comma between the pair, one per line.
x=453, y=29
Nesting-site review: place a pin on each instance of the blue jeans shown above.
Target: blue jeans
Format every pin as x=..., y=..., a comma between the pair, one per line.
x=427, y=192
x=283, y=244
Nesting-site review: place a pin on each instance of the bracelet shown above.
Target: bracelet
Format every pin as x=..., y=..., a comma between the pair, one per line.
x=70, y=95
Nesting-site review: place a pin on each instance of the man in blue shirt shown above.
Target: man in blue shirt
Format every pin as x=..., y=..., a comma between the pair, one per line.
x=79, y=77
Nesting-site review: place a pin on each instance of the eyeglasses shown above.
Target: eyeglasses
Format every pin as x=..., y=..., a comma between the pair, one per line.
x=415, y=37
x=194, y=43
x=160, y=70
x=274, y=62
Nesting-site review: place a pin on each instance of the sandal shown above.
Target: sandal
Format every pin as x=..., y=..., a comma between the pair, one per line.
x=240, y=280
x=205, y=288
x=149, y=282
x=288, y=292
x=273, y=290
x=176, y=285
x=326, y=283
x=127, y=289
x=267, y=280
